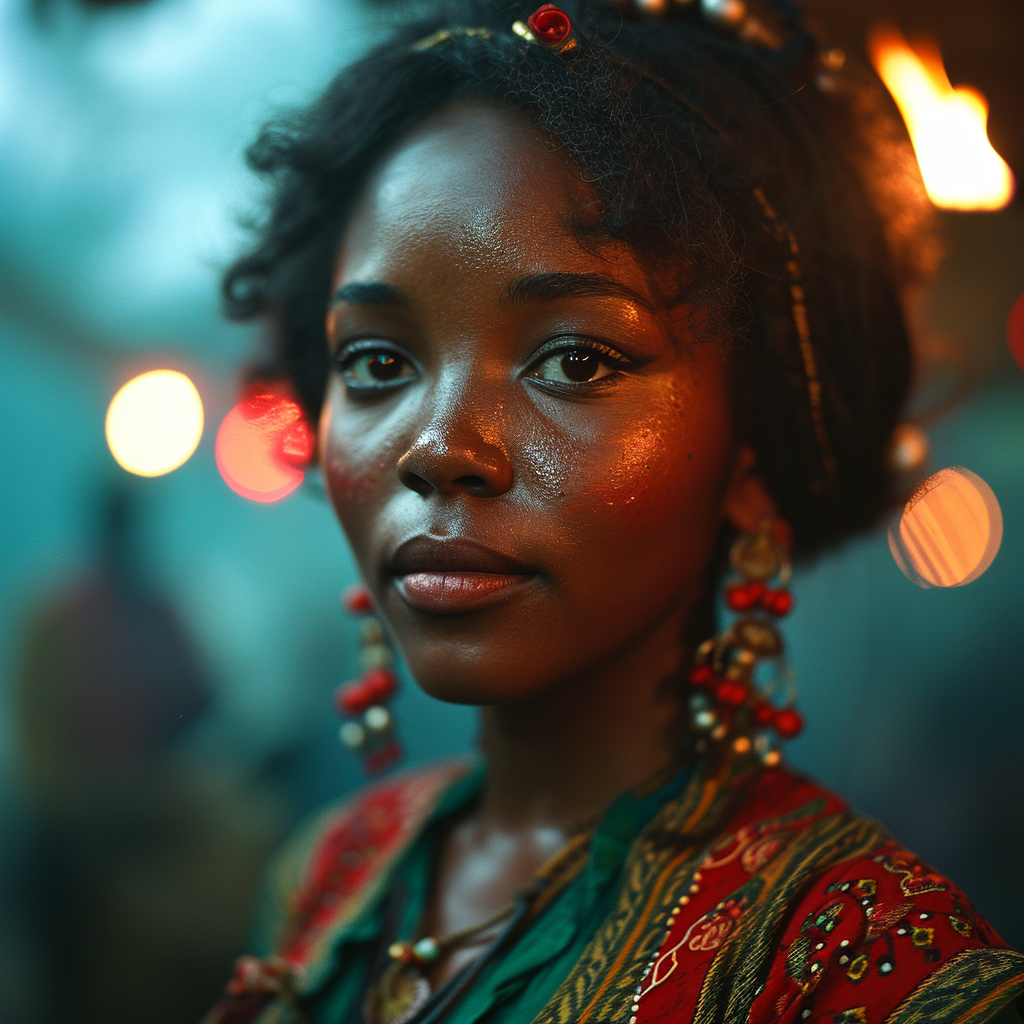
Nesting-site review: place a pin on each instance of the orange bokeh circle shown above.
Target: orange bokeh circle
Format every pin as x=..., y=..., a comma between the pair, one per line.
x=950, y=530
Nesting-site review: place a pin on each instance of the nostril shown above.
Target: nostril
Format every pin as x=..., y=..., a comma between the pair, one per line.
x=416, y=483
x=475, y=485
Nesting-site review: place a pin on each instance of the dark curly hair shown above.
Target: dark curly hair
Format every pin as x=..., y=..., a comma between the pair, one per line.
x=706, y=150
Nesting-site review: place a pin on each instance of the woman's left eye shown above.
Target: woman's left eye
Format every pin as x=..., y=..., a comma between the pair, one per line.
x=577, y=364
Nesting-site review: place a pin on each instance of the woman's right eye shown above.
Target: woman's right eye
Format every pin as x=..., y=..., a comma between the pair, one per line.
x=375, y=369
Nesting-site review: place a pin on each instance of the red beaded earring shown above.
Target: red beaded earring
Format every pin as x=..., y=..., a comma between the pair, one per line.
x=727, y=702
x=370, y=729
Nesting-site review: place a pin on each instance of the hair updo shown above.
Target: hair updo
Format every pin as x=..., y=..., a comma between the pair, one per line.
x=680, y=125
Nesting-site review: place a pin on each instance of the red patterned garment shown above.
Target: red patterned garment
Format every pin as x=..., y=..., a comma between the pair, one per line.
x=751, y=896
x=805, y=912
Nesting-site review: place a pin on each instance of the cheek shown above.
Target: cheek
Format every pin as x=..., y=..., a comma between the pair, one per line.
x=355, y=463
x=662, y=469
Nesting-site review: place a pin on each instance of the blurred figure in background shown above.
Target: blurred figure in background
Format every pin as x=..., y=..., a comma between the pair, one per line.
x=110, y=680
x=122, y=831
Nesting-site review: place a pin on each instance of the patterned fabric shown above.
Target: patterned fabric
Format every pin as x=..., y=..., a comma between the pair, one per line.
x=751, y=896
x=333, y=869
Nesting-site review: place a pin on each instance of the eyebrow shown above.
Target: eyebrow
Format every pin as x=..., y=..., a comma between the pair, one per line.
x=370, y=293
x=534, y=287
x=530, y=288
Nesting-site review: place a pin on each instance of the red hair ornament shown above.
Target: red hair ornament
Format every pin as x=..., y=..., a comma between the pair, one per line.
x=548, y=25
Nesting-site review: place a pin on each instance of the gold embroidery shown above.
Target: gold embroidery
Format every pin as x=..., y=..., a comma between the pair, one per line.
x=855, y=1015
x=858, y=968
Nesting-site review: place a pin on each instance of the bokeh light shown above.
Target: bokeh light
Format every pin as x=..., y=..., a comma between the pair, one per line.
x=950, y=530
x=909, y=449
x=264, y=444
x=1015, y=331
x=154, y=423
x=947, y=126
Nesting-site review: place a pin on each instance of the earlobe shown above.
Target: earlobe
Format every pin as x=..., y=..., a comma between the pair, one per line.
x=747, y=502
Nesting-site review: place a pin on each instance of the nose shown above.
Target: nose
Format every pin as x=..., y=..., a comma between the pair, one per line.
x=458, y=452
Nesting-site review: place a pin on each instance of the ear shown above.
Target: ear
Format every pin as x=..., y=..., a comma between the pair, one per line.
x=747, y=502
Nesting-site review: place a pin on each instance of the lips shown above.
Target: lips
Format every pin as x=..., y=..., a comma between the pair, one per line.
x=454, y=575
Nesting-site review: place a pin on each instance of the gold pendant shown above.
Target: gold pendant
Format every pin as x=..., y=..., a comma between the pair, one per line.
x=396, y=996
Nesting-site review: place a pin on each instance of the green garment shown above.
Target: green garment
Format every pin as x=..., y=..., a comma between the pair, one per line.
x=516, y=986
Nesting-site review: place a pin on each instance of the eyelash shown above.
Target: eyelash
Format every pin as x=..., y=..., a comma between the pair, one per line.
x=564, y=345
x=348, y=354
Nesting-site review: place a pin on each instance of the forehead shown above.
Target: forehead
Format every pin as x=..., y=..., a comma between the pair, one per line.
x=477, y=186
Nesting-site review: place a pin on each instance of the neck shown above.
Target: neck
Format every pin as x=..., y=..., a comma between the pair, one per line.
x=564, y=755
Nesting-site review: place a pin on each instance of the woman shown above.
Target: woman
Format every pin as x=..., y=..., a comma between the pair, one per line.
x=613, y=319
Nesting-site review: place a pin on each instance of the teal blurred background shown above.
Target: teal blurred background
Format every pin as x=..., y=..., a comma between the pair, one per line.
x=141, y=791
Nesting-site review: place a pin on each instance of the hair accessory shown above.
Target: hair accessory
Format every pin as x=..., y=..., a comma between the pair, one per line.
x=782, y=232
x=370, y=729
x=444, y=35
x=548, y=25
x=727, y=704
x=734, y=15
x=771, y=31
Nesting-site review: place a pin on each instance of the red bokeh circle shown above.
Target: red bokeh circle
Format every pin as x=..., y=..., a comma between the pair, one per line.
x=264, y=444
x=1015, y=331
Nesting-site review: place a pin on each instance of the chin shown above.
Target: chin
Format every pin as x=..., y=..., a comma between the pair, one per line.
x=478, y=681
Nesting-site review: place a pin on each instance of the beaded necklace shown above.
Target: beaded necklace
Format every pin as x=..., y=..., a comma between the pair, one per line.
x=403, y=995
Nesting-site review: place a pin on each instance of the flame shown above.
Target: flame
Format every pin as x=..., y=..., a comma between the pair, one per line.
x=947, y=126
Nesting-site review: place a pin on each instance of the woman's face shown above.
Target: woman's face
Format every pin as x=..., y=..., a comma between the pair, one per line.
x=529, y=454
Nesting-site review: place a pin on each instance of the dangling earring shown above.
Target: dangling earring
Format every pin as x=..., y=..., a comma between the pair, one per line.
x=370, y=731
x=727, y=703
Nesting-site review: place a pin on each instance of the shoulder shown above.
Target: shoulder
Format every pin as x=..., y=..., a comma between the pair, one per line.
x=326, y=872
x=802, y=910
x=883, y=937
